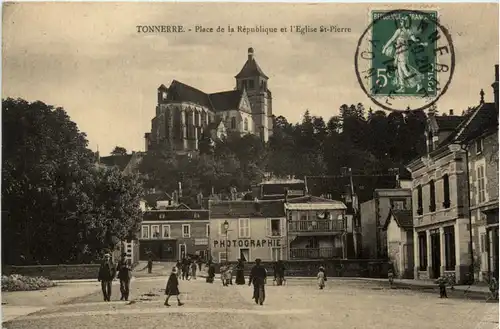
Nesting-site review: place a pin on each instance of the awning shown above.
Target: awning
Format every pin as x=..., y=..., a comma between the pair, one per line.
x=316, y=206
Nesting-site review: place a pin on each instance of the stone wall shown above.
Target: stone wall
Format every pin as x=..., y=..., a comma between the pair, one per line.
x=334, y=268
x=55, y=272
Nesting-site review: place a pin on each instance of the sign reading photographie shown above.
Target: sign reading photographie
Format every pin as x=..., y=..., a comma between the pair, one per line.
x=248, y=243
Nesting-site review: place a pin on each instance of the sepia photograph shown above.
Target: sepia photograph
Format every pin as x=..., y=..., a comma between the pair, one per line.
x=250, y=165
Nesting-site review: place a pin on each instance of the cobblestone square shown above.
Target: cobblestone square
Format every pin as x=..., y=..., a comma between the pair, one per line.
x=299, y=304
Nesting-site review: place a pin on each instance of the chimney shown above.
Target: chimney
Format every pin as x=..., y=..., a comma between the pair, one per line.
x=495, y=87
x=250, y=54
x=451, y=112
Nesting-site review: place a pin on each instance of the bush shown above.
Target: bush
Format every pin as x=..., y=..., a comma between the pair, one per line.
x=16, y=282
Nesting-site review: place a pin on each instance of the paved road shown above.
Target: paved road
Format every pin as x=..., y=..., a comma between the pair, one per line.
x=343, y=304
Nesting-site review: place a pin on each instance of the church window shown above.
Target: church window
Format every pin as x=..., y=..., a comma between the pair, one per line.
x=246, y=124
x=233, y=123
x=250, y=84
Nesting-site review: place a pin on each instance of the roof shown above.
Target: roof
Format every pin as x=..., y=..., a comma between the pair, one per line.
x=152, y=198
x=448, y=122
x=226, y=100
x=314, y=203
x=215, y=124
x=120, y=161
x=247, y=209
x=482, y=120
x=403, y=218
x=251, y=69
x=182, y=92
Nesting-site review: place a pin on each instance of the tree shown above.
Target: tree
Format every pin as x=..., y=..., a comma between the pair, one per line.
x=119, y=151
x=47, y=178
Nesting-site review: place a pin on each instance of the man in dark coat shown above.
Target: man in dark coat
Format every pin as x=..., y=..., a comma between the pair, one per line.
x=106, y=276
x=172, y=288
x=124, y=274
x=150, y=264
x=258, y=276
x=279, y=272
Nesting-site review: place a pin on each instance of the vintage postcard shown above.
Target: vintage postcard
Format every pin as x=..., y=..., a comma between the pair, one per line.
x=255, y=165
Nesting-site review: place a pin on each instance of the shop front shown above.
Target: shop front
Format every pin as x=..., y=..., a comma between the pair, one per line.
x=268, y=249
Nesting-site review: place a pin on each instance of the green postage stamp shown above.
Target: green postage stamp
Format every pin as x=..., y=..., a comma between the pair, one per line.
x=403, y=45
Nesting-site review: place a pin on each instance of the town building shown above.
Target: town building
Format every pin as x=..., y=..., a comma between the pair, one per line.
x=453, y=215
x=374, y=214
x=171, y=234
x=479, y=135
x=247, y=230
x=185, y=114
x=316, y=228
x=276, y=189
x=399, y=236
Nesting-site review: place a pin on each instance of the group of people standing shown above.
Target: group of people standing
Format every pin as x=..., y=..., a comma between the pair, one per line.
x=187, y=268
x=108, y=272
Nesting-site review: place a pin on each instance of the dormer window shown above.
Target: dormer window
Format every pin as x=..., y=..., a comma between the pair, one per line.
x=164, y=95
x=479, y=146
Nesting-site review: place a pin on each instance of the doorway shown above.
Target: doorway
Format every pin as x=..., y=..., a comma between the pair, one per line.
x=435, y=254
x=182, y=251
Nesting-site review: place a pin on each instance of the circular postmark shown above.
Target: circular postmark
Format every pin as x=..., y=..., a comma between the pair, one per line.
x=405, y=59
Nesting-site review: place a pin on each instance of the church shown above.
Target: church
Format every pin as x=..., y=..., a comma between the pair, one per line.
x=184, y=114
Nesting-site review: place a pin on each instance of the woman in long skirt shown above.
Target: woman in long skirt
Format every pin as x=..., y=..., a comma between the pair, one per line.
x=240, y=274
x=172, y=288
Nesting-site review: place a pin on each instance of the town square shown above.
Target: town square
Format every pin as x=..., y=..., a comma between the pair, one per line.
x=339, y=171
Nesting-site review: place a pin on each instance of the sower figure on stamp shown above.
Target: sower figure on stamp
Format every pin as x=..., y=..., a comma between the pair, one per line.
x=258, y=276
x=172, y=288
x=124, y=275
x=106, y=276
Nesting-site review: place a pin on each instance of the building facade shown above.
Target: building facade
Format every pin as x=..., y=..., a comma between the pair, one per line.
x=374, y=214
x=399, y=236
x=256, y=229
x=185, y=114
x=316, y=228
x=170, y=235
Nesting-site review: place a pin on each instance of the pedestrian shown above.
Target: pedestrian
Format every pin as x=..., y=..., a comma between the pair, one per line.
x=258, y=276
x=442, y=287
x=124, y=275
x=172, y=288
x=240, y=272
x=185, y=270
x=106, y=276
x=200, y=262
x=211, y=273
x=321, y=277
x=493, y=285
x=193, y=270
x=179, y=267
x=279, y=272
x=390, y=274
x=150, y=264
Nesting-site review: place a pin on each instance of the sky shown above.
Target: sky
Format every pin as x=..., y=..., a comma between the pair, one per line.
x=89, y=59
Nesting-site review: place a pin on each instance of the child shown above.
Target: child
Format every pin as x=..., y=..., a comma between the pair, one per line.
x=442, y=287
x=172, y=288
x=321, y=277
x=390, y=275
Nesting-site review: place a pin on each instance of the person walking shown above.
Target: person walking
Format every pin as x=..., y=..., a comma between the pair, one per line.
x=124, y=275
x=258, y=276
x=172, y=288
x=193, y=270
x=211, y=273
x=321, y=277
x=150, y=264
x=106, y=276
x=240, y=272
x=279, y=272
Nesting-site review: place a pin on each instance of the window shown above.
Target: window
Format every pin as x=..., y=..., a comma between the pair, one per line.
x=483, y=242
x=449, y=245
x=164, y=95
x=446, y=191
x=481, y=188
x=186, y=230
x=479, y=145
x=207, y=230
x=245, y=254
x=244, y=227
x=222, y=230
x=155, y=231
x=222, y=257
x=276, y=254
x=275, y=227
x=422, y=250
x=246, y=124
x=397, y=204
x=166, y=231
x=145, y=232
x=419, y=200
x=162, y=216
x=233, y=123
x=432, y=197
x=251, y=84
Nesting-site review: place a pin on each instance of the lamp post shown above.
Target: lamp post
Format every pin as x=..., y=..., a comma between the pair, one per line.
x=226, y=228
x=463, y=147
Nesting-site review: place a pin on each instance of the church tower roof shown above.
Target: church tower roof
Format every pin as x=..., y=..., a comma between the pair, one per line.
x=251, y=68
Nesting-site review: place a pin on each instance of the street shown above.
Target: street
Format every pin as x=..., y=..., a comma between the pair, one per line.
x=299, y=304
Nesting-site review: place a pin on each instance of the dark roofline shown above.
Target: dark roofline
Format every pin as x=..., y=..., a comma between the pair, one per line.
x=392, y=213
